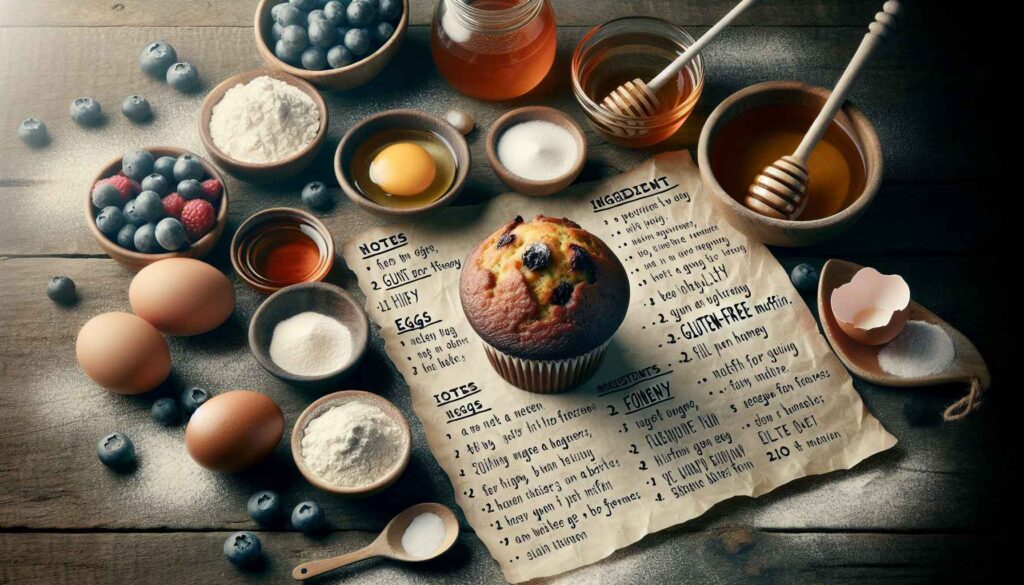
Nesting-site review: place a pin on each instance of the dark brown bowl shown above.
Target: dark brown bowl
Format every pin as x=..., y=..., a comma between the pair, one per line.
x=527, y=186
x=342, y=78
x=262, y=172
x=136, y=261
x=321, y=297
x=317, y=408
x=260, y=218
x=406, y=120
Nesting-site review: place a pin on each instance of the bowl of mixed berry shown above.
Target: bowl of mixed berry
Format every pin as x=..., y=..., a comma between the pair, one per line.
x=156, y=203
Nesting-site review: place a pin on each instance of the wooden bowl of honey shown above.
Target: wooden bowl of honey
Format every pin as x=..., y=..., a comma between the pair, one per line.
x=281, y=246
x=757, y=125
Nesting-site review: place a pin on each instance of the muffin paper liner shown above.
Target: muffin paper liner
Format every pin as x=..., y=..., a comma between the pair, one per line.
x=546, y=376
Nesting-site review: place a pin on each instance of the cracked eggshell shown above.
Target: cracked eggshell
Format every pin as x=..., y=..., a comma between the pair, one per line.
x=873, y=307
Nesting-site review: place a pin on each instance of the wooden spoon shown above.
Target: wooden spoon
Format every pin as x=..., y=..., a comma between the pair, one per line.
x=780, y=190
x=637, y=99
x=389, y=543
x=968, y=366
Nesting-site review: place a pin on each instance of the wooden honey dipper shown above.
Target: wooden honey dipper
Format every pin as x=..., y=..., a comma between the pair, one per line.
x=780, y=191
x=636, y=98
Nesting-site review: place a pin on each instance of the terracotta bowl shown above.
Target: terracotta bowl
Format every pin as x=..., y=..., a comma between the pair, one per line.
x=260, y=219
x=407, y=120
x=527, y=186
x=137, y=260
x=321, y=297
x=781, y=232
x=317, y=408
x=342, y=78
x=262, y=172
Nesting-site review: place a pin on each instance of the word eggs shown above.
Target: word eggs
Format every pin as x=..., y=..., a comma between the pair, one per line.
x=403, y=168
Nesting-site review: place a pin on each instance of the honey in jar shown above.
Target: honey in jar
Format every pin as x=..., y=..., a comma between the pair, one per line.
x=493, y=49
x=758, y=137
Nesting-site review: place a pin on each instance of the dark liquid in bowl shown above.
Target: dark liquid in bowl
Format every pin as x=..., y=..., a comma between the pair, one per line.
x=282, y=252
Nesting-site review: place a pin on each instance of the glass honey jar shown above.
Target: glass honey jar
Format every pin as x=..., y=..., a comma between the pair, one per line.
x=493, y=49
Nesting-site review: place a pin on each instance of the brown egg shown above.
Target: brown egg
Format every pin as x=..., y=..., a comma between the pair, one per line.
x=182, y=296
x=123, y=353
x=234, y=430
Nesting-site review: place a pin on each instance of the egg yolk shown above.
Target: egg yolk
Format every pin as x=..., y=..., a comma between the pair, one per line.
x=403, y=169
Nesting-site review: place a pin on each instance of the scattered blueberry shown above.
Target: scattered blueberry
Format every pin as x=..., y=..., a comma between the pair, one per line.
x=145, y=239
x=243, y=549
x=156, y=183
x=116, y=451
x=314, y=59
x=276, y=31
x=357, y=40
x=156, y=58
x=110, y=220
x=149, y=207
x=383, y=31
x=32, y=132
x=165, y=166
x=193, y=398
x=321, y=34
x=86, y=111
x=130, y=214
x=334, y=11
x=188, y=167
x=165, y=411
x=305, y=5
x=104, y=195
x=282, y=52
x=537, y=256
x=316, y=196
x=389, y=9
x=137, y=164
x=339, y=56
x=804, y=277
x=126, y=235
x=361, y=12
x=190, y=189
x=295, y=38
x=287, y=15
x=61, y=290
x=307, y=517
x=136, y=108
x=170, y=234
x=264, y=507
x=183, y=77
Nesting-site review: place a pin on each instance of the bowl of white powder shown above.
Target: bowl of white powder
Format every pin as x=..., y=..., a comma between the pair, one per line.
x=311, y=335
x=263, y=125
x=351, y=443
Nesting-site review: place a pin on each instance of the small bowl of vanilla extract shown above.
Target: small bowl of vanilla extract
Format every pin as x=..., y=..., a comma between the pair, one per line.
x=281, y=246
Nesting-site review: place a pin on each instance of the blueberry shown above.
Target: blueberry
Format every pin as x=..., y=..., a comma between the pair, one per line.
x=137, y=164
x=156, y=57
x=149, y=207
x=361, y=12
x=562, y=293
x=339, y=56
x=243, y=549
x=136, y=108
x=274, y=12
x=316, y=196
x=334, y=11
x=61, y=290
x=390, y=9
x=188, y=167
x=307, y=517
x=183, y=77
x=145, y=239
x=804, y=277
x=170, y=234
x=305, y=5
x=86, y=111
x=316, y=15
x=321, y=34
x=110, y=220
x=537, y=256
x=357, y=41
x=193, y=398
x=126, y=236
x=276, y=31
x=383, y=31
x=116, y=451
x=264, y=507
x=190, y=189
x=288, y=15
x=156, y=183
x=165, y=166
x=32, y=132
x=165, y=411
x=104, y=195
x=130, y=214
x=295, y=39
x=282, y=52
x=314, y=59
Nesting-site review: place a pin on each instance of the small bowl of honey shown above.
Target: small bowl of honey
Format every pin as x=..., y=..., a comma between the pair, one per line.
x=281, y=246
x=402, y=163
x=756, y=126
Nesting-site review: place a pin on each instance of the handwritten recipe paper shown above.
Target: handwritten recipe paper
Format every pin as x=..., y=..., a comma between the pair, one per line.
x=718, y=383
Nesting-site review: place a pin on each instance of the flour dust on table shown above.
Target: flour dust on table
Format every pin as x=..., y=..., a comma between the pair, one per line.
x=717, y=384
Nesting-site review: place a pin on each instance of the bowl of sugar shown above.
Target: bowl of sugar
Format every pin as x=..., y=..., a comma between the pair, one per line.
x=536, y=150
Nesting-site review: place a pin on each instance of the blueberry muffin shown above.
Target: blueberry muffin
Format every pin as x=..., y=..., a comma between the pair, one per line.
x=545, y=296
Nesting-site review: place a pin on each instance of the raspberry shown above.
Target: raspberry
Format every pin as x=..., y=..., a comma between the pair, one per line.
x=173, y=204
x=197, y=217
x=211, y=190
x=122, y=184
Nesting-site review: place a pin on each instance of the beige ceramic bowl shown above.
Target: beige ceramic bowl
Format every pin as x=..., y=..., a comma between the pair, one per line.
x=528, y=186
x=781, y=232
x=319, y=407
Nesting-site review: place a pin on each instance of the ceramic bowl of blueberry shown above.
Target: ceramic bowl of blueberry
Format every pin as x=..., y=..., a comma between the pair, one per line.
x=156, y=203
x=337, y=44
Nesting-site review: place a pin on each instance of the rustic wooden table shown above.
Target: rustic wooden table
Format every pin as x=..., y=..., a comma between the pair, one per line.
x=926, y=510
